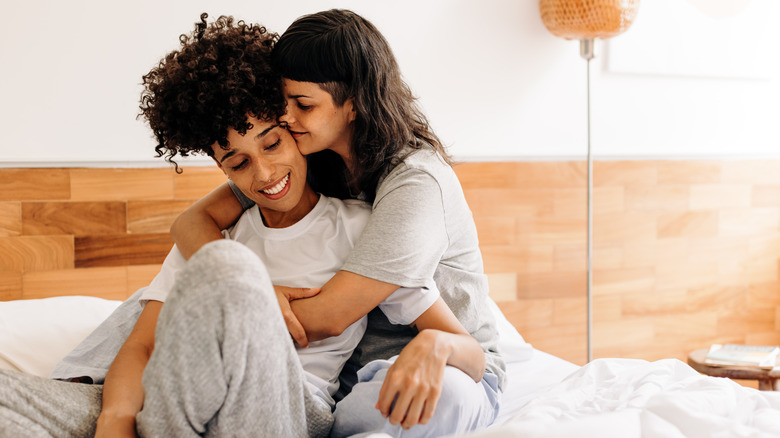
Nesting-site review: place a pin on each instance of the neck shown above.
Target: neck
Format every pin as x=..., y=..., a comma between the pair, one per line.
x=344, y=148
x=284, y=219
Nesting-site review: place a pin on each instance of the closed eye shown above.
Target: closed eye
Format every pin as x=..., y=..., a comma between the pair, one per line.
x=273, y=146
x=303, y=107
x=240, y=165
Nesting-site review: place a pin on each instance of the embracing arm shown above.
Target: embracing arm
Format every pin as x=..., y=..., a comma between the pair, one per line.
x=446, y=338
x=413, y=383
x=203, y=221
x=123, y=392
x=344, y=299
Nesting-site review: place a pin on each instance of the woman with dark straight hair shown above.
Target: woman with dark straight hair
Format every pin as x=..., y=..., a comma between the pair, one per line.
x=358, y=123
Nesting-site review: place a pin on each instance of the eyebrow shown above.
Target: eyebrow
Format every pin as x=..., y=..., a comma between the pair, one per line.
x=257, y=137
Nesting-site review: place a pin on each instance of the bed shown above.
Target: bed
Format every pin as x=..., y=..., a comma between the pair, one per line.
x=546, y=396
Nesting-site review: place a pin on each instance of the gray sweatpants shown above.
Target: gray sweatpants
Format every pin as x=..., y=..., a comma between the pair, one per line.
x=223, y=365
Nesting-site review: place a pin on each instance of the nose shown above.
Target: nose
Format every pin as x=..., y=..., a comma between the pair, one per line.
x=288, y=116
x=265, y=172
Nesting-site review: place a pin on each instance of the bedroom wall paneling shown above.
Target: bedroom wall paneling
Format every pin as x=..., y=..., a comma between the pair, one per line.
x=686, y=253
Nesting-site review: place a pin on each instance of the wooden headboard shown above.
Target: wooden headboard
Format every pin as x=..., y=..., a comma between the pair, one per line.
x=687, y=253
x=98, y=232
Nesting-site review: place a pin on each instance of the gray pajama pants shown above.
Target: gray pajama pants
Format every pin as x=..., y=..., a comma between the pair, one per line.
x=223, y=365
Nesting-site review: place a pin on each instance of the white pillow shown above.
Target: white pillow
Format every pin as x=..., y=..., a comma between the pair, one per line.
x=36, y=334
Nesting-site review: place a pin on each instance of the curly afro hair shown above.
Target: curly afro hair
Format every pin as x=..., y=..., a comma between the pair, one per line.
x=221, y=74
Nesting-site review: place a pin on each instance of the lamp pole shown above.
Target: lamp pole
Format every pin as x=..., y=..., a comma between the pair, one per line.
x=587, y=53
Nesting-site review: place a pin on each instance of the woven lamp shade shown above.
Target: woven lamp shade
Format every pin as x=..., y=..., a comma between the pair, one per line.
x=581, y=19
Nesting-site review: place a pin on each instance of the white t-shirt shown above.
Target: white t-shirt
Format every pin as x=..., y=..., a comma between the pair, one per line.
x=308, y=254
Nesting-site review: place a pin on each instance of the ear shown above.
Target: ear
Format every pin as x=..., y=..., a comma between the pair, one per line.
x=349, y=105
x=220, y=167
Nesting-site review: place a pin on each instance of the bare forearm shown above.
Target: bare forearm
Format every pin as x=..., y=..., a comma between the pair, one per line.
x=344, y=299
x=192, y=230
x=461, y=350
x=123, y=393
x=203, y=221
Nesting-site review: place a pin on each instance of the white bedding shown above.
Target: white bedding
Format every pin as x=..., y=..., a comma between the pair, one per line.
x=545, y=395
x=626, y=398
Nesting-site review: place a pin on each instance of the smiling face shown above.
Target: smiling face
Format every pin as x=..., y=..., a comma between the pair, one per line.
x=315, y=121
x=266, y=166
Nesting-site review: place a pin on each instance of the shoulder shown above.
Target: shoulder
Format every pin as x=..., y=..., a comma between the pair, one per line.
x=420, y=168
x=350, y=207
x=352, y=213
x=416, y=162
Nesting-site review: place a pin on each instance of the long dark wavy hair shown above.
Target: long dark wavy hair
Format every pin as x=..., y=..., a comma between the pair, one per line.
x=347, y=56
x=221, y=74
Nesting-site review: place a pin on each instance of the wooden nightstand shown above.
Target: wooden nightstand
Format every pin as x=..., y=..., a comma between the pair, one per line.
x=767, y=379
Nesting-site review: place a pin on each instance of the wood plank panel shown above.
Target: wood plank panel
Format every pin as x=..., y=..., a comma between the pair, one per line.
x=519, y=258
x=689, y=172
x=496, y=230
x=10, y=285
x=721, y=299
x=747, y=321
x=76, y=218
x=527, y=314
x=554, y=174
x=549, y=230
x=702, y=223
x=36, y=253
x=649, y=252
x=10, y=219
x=752, y=172
x=623, y=281
x=763, y=295
x=624, y=173
x=109, y=283
x=510, y=203
x=568, y=341
x=671, y=238
x=656, y=199
x=146, y=217
x=121, y=250
x=766, y=196
x=139, y=276
x=551, y=285
x=569, y=203
x=607, y=308
x=570, y=258
x=570, y=311
x=121, y=184
x=503, y=286
x=34, y=184
x=196, y=182
x=720, y=196
x=624, y=227
x=749, y=221
x=487, y=175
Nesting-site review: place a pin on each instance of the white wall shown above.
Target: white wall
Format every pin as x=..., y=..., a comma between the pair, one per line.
x=494, y=82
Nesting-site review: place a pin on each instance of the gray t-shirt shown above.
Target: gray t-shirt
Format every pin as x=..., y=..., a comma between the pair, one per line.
x=421, y=233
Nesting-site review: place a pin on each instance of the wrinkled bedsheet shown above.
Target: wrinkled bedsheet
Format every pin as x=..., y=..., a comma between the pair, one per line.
x=634, y=398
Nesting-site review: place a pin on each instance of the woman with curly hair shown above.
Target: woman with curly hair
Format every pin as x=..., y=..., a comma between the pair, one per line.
x=355, y=118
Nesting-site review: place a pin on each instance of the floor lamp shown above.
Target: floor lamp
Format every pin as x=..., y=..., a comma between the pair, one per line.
x=585, y=20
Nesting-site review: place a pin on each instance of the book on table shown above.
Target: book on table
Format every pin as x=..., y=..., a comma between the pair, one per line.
x=761, y=356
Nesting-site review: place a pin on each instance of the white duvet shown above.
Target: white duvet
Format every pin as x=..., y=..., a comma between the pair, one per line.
x=545, y=396
x=633, y=398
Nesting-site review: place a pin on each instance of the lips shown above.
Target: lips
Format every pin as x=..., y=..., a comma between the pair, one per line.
x=279, y=189
x=296, y=134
